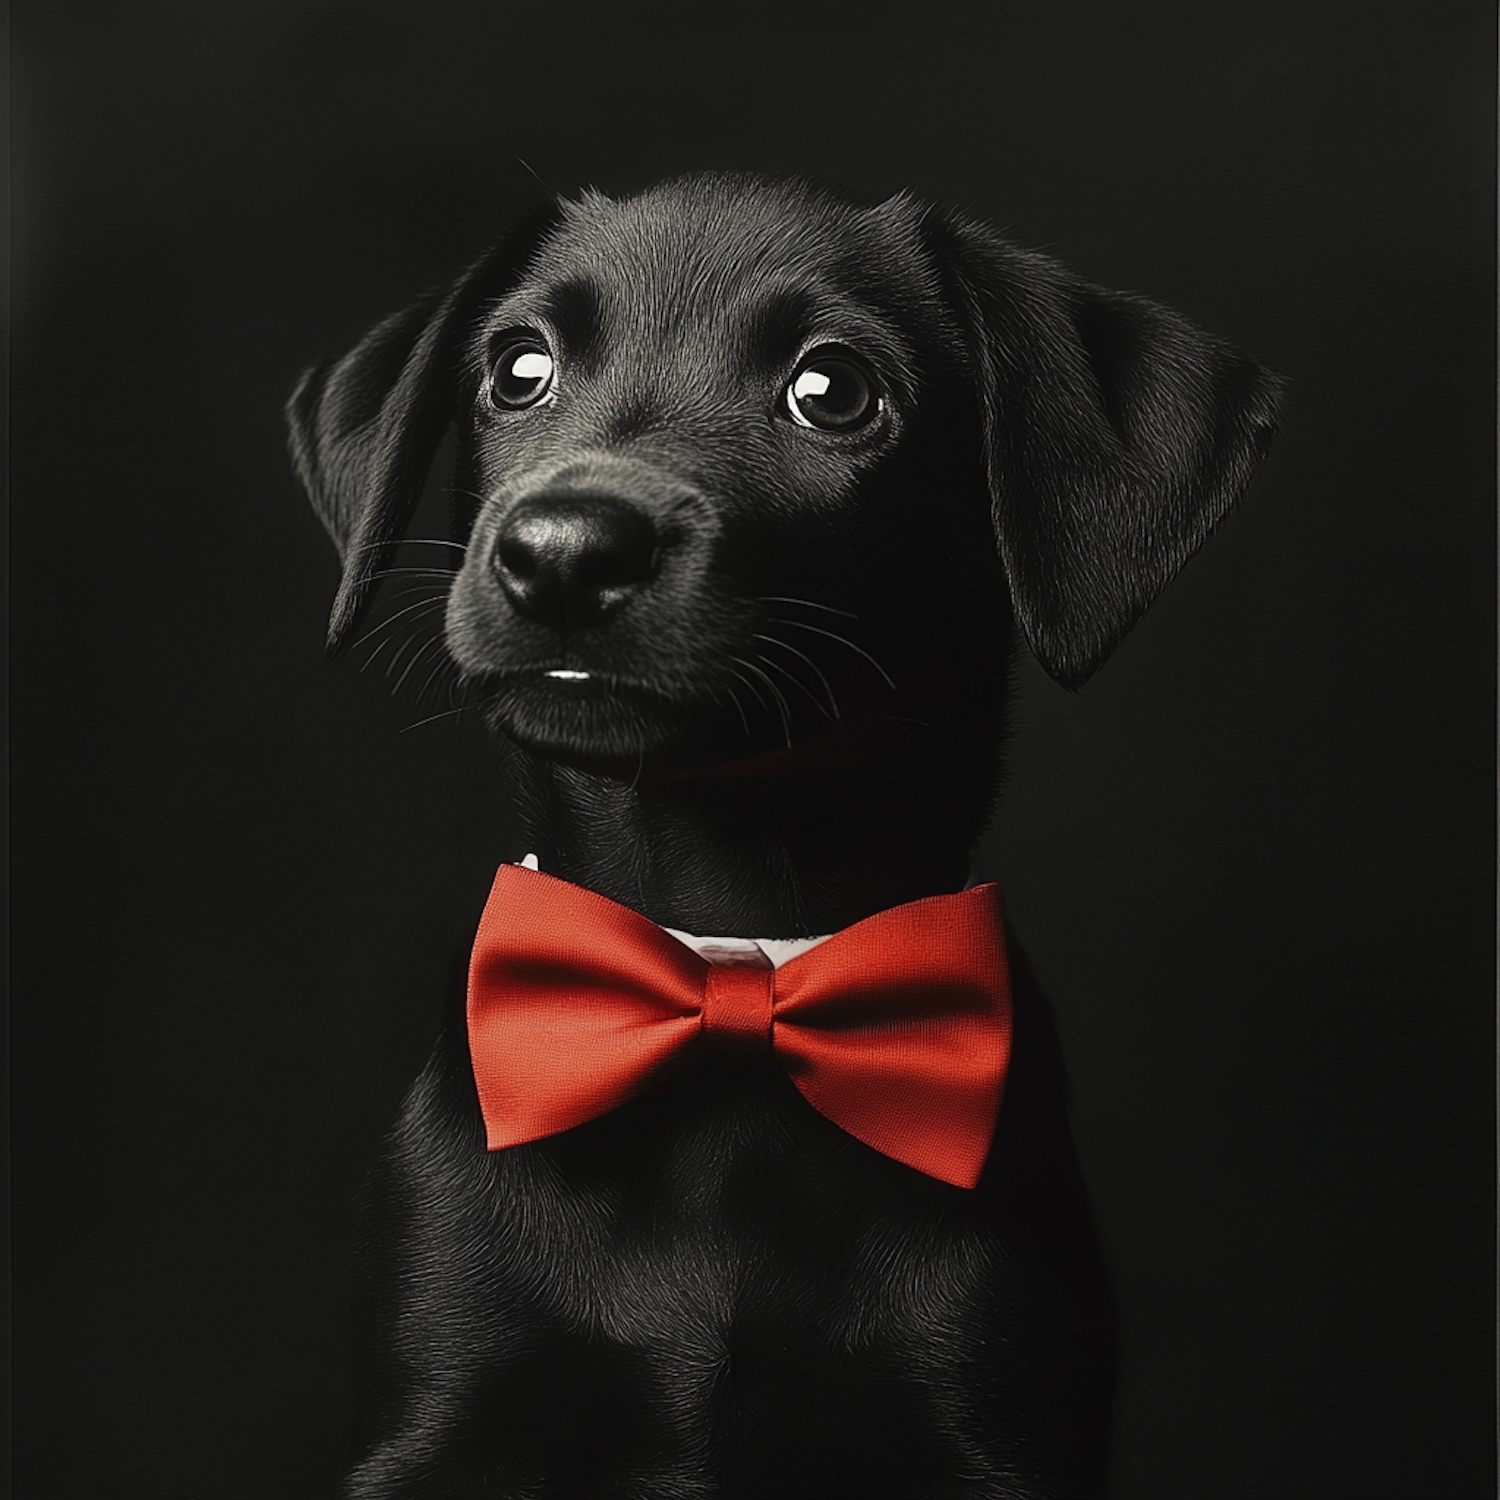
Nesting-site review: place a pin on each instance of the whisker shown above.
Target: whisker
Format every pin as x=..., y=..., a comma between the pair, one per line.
x=413, y=541
x=785, y=599
x=447, y=713
x=812, y=697
x=416, y=647
x=429, y=602
x=449, y=573
x=390, y=645
x=477, y=706
x=441, y=664
x=426, y=647
x=416, y=591
x=393, y=648
x=833, y=706
x=759, y=696
x=843, y=641
x=781, y=704
x=411, y=644
x=738, y=708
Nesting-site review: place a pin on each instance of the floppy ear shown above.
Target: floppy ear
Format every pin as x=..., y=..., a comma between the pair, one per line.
x=1117, y=435
x=364, y=428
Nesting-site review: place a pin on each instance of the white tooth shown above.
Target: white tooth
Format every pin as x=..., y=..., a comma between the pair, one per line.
x=568, y=676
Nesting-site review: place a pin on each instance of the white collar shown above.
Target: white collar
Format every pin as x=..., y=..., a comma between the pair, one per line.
x=778, y=950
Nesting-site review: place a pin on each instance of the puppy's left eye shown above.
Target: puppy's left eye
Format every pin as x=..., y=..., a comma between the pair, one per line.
x=521, y=374
x=834, y=392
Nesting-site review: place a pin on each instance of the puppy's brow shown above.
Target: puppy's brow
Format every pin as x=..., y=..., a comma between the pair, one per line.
x=781, y=323
x=573, y=308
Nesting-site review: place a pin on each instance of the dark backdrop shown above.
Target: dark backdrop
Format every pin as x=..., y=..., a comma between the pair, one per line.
x=1251, y=859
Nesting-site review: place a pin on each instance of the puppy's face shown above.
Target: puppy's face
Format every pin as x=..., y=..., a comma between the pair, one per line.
x=745, y=466
x=720, y=481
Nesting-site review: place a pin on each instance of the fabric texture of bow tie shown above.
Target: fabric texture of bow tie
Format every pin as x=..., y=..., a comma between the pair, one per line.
x=897, y=1029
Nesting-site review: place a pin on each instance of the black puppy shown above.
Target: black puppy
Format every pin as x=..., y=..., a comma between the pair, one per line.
x=758, y=489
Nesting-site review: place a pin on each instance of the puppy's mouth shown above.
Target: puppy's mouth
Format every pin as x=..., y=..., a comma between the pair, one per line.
x=584, y=713
x=676, y=727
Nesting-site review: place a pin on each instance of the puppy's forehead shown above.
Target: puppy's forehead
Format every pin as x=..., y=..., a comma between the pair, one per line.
x=724, y=253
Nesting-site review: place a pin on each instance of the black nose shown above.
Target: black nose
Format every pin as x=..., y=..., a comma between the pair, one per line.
x=568, y=562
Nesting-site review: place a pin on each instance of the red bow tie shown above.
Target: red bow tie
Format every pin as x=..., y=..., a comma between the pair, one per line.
x=897, y=1028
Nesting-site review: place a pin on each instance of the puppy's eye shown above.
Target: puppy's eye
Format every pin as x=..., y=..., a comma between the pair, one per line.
x=834, y=392
x=521, y=375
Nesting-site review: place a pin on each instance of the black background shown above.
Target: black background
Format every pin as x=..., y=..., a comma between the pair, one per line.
x=1251, y=859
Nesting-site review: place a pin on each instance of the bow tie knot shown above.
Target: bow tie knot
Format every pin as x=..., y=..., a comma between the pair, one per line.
x=737, y=1004
x=897, y=1029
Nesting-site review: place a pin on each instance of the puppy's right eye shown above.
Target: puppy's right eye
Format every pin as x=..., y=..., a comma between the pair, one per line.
x=521, y=375
x=834, y=391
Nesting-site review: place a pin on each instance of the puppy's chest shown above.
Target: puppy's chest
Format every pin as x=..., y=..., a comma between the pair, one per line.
x=723, y=1211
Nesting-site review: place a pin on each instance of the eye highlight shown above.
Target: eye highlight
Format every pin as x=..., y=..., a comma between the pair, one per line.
x=833, y=391
x=522, y=373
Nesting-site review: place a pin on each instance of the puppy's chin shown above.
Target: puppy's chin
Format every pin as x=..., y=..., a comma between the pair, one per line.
x=589, y=718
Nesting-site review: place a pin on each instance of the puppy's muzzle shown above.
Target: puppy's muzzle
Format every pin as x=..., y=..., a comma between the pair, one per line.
x=569, y=562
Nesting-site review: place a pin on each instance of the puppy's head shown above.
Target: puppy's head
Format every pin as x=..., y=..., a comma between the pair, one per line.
x=738, y=458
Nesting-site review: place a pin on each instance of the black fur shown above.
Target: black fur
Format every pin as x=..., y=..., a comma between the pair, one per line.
x=796, y=642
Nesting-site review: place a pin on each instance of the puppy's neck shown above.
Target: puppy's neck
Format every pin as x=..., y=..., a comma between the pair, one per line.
x=739, y=853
